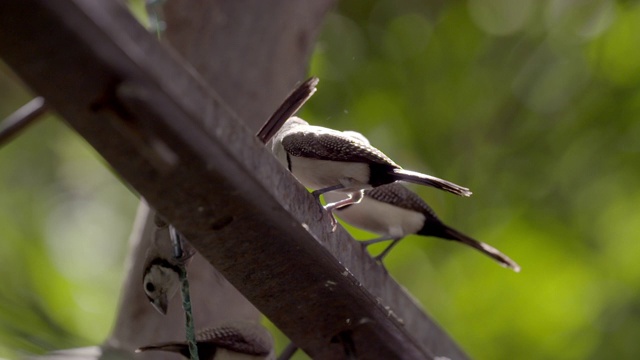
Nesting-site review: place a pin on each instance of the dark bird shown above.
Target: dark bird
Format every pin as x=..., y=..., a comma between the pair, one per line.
x=233, y=340
x=394, y=212
x=327, y=160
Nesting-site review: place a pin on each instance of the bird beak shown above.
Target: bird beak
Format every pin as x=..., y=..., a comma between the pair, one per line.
x=161, y=304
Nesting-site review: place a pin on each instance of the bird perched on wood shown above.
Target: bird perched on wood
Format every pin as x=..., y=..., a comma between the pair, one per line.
x=394, y=212
x=231, y=340
x=160, y=277
x=327, y=160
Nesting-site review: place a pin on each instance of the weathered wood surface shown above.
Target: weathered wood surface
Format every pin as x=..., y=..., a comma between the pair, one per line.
x=139, y=107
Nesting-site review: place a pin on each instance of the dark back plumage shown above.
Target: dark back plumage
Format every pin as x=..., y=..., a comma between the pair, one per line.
x=236, y=337
x=398, y=195
x=229, y=337
x=327, y=144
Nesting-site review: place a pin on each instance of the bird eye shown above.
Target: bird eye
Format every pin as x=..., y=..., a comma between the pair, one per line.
x=150, y=287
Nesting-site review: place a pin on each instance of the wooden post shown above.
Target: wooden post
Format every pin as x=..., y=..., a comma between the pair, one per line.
x=142, y=110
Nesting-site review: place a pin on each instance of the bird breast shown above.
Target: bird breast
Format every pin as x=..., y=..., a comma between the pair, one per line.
x=379, y=217
x=318, y=174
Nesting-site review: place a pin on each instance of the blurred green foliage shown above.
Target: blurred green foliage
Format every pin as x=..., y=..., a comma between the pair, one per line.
x=534, y=105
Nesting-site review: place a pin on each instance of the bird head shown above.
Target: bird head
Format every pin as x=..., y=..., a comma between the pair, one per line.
x=160, y=283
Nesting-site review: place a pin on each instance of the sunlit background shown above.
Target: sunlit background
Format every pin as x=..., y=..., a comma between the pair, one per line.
x=534, y=105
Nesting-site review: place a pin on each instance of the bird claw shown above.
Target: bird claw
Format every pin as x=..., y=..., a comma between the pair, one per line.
x=316, y=195
x=366, y=243
x=379, y=259
x=334, y=222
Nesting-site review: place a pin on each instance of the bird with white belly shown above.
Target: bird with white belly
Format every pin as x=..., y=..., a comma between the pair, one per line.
x=327, y=160
x=395, y=212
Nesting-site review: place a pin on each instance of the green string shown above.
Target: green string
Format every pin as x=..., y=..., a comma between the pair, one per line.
x=155, y=15
x=157, y=25
x=188, y=314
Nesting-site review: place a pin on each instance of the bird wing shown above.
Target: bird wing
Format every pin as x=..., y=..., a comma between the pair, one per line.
x=398, y=195
x=229, y=337
x=222, y=337
x=176, y=347
x=332, y=145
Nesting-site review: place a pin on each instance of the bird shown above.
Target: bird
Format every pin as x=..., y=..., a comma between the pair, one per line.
x=229, y=340
x=161, y=271
x=326, y=160
x=394, y=212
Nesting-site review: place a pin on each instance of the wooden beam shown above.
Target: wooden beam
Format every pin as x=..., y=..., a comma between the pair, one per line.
x=256, y=48
x=142, y=110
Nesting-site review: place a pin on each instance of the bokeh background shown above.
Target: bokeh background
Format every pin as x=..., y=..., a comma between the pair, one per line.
x=534, y=105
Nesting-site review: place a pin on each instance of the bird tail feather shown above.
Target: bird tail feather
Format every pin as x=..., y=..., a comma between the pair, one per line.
x=486, y=249
x=428, y=180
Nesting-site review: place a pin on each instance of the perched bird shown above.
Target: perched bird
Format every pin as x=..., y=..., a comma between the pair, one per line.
x=160, y=276
x=394, y=212
x=327, y=160
x=232, y=340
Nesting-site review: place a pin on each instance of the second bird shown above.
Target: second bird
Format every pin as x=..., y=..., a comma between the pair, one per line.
x=394, y=212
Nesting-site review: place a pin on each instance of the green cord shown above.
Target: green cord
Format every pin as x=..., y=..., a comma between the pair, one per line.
x=188, y=314
x=155, y=16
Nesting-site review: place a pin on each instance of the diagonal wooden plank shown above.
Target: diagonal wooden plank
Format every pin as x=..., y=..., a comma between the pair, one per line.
x=142, y=110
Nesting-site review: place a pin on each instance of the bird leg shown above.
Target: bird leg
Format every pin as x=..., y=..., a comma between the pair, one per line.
x=377, y=240
x=385, y=252
x=353, y=198
x=317, y=193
